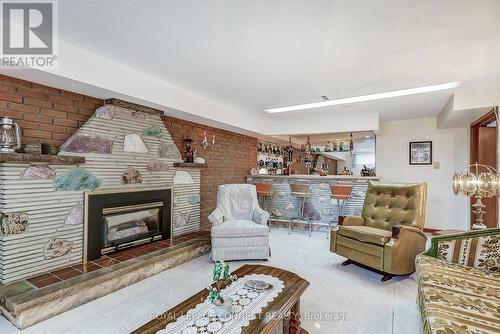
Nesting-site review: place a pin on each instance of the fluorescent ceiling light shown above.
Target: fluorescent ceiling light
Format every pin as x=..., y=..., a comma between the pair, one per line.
x=370, y=97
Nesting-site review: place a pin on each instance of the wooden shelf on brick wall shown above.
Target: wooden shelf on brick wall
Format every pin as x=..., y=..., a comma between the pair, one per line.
x=44, y=158
x=189, y=164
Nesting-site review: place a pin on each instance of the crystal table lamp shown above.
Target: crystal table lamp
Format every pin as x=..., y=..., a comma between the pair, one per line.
x=470, y=182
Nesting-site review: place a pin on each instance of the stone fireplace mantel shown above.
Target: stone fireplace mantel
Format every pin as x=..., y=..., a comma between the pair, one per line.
x=41, y=158
x=190, y=164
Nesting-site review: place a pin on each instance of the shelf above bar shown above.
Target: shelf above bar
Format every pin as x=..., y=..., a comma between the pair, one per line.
x=22, y=158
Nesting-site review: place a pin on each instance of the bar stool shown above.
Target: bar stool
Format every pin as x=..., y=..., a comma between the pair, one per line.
x=300, y=189
x=264, y=193
x=342, y=193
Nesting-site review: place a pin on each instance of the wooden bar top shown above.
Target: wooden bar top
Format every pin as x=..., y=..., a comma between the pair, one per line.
x=318, y=177
x=270, y=315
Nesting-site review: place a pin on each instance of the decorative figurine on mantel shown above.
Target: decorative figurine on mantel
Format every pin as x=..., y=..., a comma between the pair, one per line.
x=188, y=150
x=221, y=275
x=197, y=159
x=32, y=148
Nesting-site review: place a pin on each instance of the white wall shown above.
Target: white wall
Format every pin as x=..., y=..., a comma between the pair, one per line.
x=450, y=149
x=90, y=74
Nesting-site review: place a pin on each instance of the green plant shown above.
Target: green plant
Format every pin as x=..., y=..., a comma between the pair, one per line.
x=221, y=275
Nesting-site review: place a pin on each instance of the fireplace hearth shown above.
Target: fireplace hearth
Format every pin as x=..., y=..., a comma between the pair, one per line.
x=117, y=219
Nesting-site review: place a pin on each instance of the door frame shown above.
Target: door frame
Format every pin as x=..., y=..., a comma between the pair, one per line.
x=484, y=120
x=474, y=133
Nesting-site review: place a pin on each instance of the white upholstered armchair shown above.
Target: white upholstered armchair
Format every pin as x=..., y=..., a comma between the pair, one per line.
x=239, y=225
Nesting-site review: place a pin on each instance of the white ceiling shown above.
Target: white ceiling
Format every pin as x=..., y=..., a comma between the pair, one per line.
x=255, y=54
x=222, y=62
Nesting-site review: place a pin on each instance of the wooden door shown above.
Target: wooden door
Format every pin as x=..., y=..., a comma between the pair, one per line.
x=484, y=151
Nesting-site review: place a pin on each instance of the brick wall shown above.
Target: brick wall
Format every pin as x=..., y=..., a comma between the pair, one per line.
x=45, y=114
x=228, y=162
x=50, y=115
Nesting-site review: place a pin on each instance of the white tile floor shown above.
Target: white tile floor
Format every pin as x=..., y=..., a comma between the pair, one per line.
x=372, y=306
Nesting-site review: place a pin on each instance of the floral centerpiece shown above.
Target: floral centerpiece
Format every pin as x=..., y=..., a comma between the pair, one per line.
x=221, y=277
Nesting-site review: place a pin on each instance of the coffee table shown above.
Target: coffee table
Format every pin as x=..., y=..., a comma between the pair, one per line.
x=287, y=302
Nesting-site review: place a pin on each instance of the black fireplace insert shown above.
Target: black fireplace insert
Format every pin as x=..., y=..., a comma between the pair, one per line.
x=116, y=219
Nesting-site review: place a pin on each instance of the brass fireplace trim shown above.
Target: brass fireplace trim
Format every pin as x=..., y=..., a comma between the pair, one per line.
x=118, y=209
x=129, y=244
x=117, y=191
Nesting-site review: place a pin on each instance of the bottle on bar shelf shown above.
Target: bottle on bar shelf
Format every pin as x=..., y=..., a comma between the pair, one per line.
x=271, y=158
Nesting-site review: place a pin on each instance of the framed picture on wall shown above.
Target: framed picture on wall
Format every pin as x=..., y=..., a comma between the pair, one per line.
x=421, y=153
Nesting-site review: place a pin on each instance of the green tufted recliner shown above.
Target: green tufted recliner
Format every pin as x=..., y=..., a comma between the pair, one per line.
x=388, y=235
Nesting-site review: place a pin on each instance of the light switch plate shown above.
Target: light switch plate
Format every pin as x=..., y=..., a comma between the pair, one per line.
x=436, y=165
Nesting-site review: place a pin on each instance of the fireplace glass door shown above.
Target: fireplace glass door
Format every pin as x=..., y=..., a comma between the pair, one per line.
x=130, y=224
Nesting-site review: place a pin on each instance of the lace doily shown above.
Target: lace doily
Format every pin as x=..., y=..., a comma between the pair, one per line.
x=247, y=303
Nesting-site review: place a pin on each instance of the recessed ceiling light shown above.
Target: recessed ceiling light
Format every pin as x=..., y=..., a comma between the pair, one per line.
x=367, y=136
x=370, y=97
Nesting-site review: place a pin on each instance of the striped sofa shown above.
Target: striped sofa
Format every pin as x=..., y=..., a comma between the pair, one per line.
x=459, y=283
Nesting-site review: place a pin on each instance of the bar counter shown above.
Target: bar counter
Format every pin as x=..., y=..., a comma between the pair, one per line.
x=317, y=178
x=319, y=207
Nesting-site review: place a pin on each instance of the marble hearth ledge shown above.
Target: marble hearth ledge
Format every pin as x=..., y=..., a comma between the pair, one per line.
x=25, y=305
x=40, y=158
